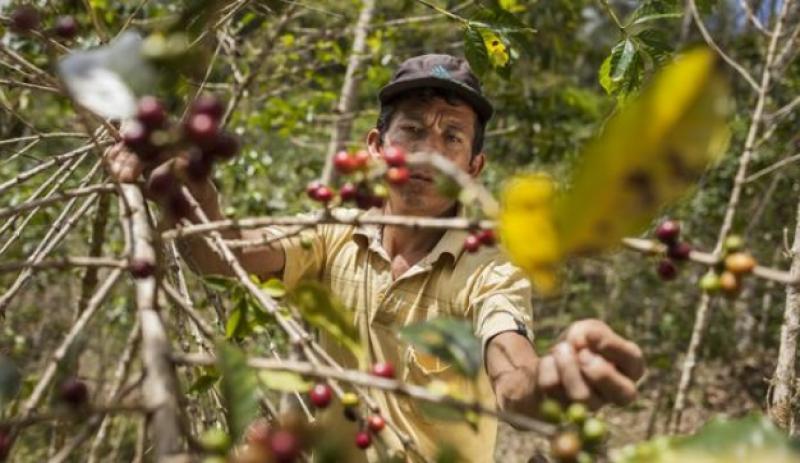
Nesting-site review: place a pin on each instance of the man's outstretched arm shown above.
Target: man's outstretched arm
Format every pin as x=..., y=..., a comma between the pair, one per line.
x=591, y=365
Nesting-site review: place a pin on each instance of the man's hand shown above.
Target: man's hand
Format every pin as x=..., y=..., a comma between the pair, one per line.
x=591, y=365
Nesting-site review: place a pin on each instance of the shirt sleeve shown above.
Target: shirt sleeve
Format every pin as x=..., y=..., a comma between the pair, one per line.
x=304, y=252
x=500, y=302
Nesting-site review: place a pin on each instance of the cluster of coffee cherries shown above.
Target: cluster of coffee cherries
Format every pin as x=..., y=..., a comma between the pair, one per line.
x=26, y=19
x=321, y=396
x=358, y=188
x=669, y=232
x=284, y=442
x=727, y=275
x=580, y=435
x=475, y=240
x=196, y=143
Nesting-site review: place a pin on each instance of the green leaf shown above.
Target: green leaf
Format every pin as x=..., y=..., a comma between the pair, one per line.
x=475, y=51
x=285, y=381
x=320, y=309
x=237, y=321
x=10, y=378
x=656, y=44
x=203, y=383
x=620, y=66
x=604, y=76
x=752, y=439
x=274, y=288
x=451, y=340
x=219, y=283
x=652, y=10
x=239, y=387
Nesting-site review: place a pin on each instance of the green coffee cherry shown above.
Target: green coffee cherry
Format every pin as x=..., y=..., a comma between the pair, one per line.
x=577, y=413
x=215, y=440
x=710, y=282
x=594, y=430
x=733, y=243
x=551, y=411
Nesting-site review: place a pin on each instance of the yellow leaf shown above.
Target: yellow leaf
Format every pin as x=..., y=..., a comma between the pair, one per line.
x=527, y=228
x=650, y=154
x=496, y=49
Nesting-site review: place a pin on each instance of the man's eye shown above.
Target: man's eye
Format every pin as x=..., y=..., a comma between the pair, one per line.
x=454, y=139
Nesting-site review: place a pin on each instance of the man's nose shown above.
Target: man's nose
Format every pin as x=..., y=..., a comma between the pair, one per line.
x=432, y=142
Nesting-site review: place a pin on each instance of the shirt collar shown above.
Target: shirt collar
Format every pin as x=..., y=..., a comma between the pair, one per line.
x=449, y=246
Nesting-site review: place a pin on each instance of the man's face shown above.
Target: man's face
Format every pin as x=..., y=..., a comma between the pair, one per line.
x=429, y=125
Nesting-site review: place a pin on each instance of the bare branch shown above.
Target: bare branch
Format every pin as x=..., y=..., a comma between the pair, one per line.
x=710, y=41
x=57, y=198
x=367, y=380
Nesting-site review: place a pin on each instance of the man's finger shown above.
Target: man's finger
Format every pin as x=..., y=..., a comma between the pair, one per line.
x=571, y=378
x=549, y=382
x=602, y=340
x=604, y=378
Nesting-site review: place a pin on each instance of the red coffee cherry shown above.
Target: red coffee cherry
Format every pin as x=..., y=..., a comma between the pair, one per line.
x=394, y=156
x=142, y=268
x=348, y=192
x=363, y=440
x=323, y=194
x=487, y=237
x=472, y=243
x=25, y=19
x=668, y=231
x=225, y=146
x=361, y=159
x=321, y=395
x=285, y=446
x=201, y=129
x=376, y=423
x=66, y=27
x=679, y=251
x=383, y=369
x=344, y=162
x=151, y=113
x=210, y=105
x=398, y=175
x=74, y=392
x=667, y=270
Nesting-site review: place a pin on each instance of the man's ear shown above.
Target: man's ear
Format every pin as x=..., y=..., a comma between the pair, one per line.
x=476, y=164
x=374, y=143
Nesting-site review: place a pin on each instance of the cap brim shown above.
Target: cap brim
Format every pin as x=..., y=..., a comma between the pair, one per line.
x=476, y=100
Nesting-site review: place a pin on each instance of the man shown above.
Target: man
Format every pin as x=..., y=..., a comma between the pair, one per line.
x=393, y=276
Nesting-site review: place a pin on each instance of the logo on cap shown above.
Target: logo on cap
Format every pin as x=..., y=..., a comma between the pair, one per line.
x=440, y=72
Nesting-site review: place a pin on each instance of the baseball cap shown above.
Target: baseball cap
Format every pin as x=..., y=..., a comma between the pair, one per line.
x=439, y=71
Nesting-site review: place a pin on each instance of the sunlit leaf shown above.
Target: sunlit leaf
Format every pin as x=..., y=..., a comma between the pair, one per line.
x=273, y=287
x=284, y=381
x=319, y=308
x=752, y=439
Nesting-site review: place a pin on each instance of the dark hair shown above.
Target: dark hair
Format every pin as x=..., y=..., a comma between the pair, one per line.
x=388, y=110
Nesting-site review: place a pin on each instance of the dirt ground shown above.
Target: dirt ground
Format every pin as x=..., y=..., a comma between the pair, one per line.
x=719, y=389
